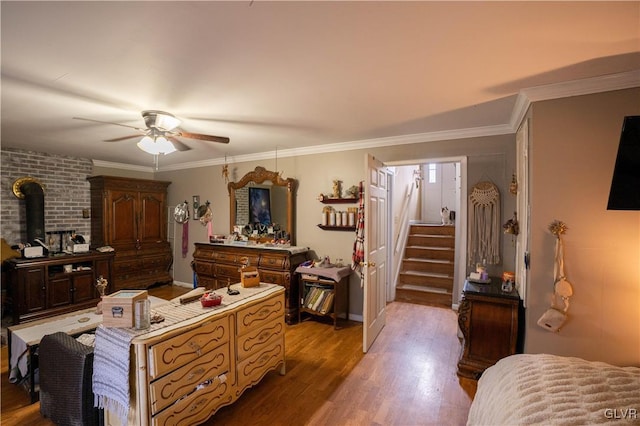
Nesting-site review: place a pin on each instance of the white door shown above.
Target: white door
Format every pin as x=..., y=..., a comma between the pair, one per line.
x=375, y=249
x=522, y=240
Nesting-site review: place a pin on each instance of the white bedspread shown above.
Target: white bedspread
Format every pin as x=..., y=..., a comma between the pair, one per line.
x=553, y=390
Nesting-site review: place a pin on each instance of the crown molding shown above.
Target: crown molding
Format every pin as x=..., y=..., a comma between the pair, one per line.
x=353, y=145
x=586, y=86
x=122, y=166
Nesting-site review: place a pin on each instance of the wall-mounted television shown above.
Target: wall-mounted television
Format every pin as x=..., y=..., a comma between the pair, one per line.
x=625, y=184
x=260, y=205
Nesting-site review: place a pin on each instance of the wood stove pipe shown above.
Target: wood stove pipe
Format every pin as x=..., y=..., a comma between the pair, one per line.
x=32, y=191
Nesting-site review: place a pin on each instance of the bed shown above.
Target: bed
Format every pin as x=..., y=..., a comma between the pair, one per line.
x=554, y=390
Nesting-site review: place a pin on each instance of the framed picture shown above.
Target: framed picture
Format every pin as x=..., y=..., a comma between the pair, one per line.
x=259, y=205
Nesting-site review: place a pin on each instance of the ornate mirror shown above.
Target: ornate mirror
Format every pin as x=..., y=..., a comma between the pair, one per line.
x=262, y=206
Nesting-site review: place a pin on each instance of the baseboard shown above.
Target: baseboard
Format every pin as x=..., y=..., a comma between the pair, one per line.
x=183, y=284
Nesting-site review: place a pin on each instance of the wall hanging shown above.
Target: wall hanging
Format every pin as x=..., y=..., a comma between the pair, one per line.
x=555, y=317
x=484, y=224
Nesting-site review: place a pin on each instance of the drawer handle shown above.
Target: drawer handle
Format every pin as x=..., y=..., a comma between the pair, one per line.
x=195, y=347
x=264, y=336
x=196, y=373
x=263, y=312
x=197, y=404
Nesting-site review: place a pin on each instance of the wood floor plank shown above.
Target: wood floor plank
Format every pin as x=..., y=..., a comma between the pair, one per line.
x=407, y=378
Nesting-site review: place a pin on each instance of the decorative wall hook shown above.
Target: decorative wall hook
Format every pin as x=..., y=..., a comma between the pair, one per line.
x=513, y=187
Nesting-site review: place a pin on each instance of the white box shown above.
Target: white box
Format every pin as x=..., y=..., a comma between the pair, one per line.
x=79, y=248
x=30, y=252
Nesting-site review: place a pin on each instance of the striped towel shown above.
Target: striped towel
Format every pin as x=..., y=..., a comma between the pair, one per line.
x=111, y=371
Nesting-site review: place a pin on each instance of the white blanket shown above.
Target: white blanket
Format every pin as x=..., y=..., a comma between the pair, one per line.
x=553, y=390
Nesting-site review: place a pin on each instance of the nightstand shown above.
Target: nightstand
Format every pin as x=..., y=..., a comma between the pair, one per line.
x=489, y=321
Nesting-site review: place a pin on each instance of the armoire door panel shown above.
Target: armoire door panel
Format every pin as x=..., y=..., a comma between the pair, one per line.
x=123, y=226
x=151, y=224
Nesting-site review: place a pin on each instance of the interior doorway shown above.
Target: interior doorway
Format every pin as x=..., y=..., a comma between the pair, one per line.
x=439, y=190
x=443, y=184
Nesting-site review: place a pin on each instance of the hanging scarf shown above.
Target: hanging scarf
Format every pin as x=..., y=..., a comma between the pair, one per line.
x=358, y=244
x=185, y=239
x=484, y=224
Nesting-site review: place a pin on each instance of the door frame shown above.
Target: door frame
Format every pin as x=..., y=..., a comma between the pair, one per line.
x=460, y=260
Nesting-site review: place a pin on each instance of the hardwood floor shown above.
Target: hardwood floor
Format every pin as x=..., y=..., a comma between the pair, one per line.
x=407, y=378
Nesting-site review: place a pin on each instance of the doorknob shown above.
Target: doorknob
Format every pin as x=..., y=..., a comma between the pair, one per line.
x=365, y=264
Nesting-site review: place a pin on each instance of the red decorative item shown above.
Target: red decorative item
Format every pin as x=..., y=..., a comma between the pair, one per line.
x=210, y=299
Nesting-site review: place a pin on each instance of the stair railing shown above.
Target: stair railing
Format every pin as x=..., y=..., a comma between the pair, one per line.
x=403, y=229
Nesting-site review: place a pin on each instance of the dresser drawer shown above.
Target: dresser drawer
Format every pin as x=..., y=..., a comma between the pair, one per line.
x=230, y=271
x=175, y=385
x=152, y=262
x=183, y=348
x=224, y=257
x=126, y=267
x=255, y=340
x=257, y=315
x=204, y=268
x=198, y=406
x=274, y=262
x=280, y=278
x=252, y=369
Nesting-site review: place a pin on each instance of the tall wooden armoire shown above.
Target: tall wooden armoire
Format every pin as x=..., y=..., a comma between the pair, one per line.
x=130, y=215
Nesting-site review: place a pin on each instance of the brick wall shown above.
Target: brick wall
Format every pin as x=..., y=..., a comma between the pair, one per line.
x=66, y=192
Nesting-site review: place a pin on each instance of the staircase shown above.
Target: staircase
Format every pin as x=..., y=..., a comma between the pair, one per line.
x=426, y=276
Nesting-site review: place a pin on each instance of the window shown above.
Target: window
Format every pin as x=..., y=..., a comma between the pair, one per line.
x=432, y=173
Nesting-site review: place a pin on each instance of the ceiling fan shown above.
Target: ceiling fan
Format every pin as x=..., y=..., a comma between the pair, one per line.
x=160, y=135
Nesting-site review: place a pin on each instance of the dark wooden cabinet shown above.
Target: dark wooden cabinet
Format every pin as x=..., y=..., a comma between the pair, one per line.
x=323, y=296
x=130, y=215
x=489, y=321
x=40, y=288
x=218, y=264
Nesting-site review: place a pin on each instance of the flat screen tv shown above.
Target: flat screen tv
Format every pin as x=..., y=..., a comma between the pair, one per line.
x=625, y=184
x=259, y=205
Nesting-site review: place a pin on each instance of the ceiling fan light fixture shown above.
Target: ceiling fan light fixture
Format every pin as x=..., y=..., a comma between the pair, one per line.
x=164, y=146
x=148, y=145
x=157, y=145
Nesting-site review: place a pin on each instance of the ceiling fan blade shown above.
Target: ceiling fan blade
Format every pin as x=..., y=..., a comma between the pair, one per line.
x=110, y=122
x=123, y=138
x=180, y=146
x=199, y=136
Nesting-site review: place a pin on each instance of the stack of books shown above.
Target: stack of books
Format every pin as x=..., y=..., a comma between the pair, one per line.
x=319, y=299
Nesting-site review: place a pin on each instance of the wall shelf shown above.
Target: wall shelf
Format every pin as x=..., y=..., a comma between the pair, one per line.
x=329, y=200
x=337, y=228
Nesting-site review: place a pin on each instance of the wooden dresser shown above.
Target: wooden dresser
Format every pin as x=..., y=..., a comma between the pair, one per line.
x=183, y=374
x=40, y=288
x=489, y=321
x=218, y=264
x=130, y=215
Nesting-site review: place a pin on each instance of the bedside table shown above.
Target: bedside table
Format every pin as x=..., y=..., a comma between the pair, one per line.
x=489, y=321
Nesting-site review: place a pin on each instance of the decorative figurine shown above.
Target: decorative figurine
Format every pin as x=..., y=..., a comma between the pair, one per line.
x=337, y=188
x=101, y=286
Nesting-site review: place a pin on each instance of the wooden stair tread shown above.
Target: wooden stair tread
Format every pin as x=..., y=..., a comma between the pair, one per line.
x=423, y=260
x=426, y=274
x=423, y=289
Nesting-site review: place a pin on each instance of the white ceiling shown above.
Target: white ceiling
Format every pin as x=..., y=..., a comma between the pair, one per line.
x=292, y=76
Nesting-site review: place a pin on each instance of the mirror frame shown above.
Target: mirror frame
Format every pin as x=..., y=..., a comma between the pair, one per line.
x=260, y=175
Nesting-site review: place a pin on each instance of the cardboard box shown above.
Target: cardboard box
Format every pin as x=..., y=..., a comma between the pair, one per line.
x=118, y=309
